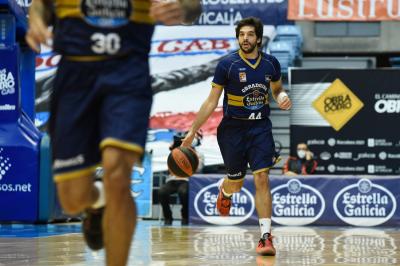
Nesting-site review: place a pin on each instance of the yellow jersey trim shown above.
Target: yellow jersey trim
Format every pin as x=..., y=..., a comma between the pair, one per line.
x=217, y=85
x=235, y=100
x=86, y=58
x=68, y=2
x=121, y=144
x=262, y=170
x=234, y=97
x=142, y=18
x=266, y=98
x=235, y=103
x=141, y=5
x=276, y=160
x=235, y=180
x=75, y=174
x=248, y=62
x=63, y=12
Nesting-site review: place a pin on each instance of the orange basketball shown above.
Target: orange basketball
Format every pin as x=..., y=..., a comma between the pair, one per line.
x=183, y=162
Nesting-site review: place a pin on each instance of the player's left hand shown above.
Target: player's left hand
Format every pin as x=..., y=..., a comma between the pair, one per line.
x=168, y=12
x=285, y=104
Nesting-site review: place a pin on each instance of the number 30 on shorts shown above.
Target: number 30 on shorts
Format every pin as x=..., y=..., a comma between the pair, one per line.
x=106, y=43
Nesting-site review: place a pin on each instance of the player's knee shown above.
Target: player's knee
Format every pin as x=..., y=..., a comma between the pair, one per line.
x=112, y=162
x=261, y=181
x=116, y=181
x=72, y=199
x=118, y=159
x=163, y=193
x=117, y=185
x=182, y=191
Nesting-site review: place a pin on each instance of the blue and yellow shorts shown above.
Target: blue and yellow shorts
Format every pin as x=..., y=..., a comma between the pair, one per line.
x=244, y=142
x=94, y=105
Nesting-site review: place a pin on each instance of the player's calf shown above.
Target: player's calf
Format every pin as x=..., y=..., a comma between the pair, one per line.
x=224, y=203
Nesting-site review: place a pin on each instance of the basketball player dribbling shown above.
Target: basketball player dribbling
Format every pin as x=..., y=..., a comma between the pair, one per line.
x=101, y=104
x=245, y=132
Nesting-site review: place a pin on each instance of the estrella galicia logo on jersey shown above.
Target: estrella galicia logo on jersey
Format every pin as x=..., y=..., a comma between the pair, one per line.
x=254, y=100
x=364, y=204
x=205, y=206
x=106, y=13
x=242, y=77
x=296, y=200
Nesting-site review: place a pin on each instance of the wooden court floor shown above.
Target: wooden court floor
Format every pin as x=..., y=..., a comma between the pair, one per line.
x=157, y=245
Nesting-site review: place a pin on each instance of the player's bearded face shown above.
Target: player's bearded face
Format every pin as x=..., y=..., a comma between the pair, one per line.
x=247, y=47
x=247, y=39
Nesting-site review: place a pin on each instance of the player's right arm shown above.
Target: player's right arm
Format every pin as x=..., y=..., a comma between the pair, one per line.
x=39, y=15
x=206, y=109
x=175, y=12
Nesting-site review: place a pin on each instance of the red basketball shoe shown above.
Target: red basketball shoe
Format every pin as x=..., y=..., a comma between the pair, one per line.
x=223, y=203
x=266, y=247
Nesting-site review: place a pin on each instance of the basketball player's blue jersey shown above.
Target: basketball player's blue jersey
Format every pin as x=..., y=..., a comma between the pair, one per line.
x=246, y=84
x=88, y=30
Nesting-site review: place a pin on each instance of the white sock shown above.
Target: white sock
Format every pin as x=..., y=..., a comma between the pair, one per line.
x=227, y=195
x=101, y=200
x=265, y=226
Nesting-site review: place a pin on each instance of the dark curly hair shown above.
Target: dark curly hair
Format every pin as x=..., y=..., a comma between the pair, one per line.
x=251, y=21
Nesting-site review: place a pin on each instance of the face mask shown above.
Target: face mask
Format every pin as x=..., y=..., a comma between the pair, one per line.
x=301, y=154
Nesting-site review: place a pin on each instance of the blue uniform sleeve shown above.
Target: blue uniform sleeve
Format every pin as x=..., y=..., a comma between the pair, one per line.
x=221, y=75
x=277, y=66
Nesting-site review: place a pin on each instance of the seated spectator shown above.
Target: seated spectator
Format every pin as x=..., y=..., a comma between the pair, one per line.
x=178, y=185
x=302, y=164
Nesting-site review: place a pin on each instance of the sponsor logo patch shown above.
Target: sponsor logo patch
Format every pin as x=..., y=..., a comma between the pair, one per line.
x=7, y=82
x=296, y=200
x=364, y=204
x=243, y=206
x=338, y=104
x=242, y=77
x=254, y=100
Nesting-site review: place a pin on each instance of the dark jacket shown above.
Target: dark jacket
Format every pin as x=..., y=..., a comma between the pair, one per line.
x=300, y=166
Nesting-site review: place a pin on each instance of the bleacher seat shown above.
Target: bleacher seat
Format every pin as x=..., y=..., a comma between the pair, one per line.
x=290, y=33
x=286, y=46
x=284, y=52
x=395, y=61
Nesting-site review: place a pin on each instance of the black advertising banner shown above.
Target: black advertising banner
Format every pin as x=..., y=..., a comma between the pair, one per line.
x=350, y=119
